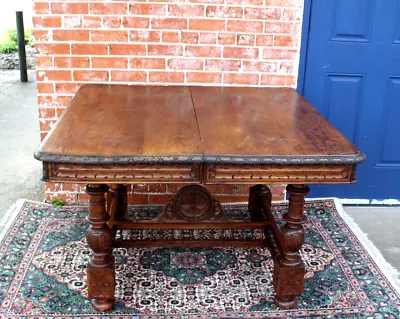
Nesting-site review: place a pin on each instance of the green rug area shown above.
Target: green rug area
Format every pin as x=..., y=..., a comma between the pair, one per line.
x=43, y=256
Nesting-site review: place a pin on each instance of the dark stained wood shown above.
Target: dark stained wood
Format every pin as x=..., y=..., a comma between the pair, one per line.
x=117, y=203
x=274, y=173
x=101, y=265
x=120, y=124
x=118, y=120
x=264, y=121
x=125, y=173
x=289, y=268
x=115, y=135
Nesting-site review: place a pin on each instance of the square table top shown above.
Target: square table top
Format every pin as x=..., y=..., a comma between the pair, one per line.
x=144, y=124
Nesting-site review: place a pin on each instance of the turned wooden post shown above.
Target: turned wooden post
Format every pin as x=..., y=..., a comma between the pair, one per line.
x=100, y=268
x=289, y=267
x=117, y=202
x=256, y=196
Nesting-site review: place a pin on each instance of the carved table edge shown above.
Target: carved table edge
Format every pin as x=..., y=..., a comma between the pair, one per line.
x=199, y=158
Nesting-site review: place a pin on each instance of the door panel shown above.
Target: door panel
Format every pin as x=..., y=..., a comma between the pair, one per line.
x=389, y=142
x=345, y=27
x=343, y=94
x=353, y=77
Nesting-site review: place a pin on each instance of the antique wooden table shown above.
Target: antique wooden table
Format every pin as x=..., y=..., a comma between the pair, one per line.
x=116, y=135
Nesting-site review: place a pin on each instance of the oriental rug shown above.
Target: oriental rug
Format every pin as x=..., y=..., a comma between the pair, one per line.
x=43, y=256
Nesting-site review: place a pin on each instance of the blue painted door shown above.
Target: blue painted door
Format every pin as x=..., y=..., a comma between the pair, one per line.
x=352, y=76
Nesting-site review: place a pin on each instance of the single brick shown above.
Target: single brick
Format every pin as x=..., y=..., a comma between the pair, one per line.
x=264, y=40
x=246, y=39
x=144, y=36
x=147, y=9
x=170, y=36
x=204, y=77
x=72, y=62
x=160, y=198
x=222, y=65
x=292, y=15
x=190, y=37
x=278, y=80
x=224, y=12
x=244, y=26
x=110, y=63
x=206, y=25
x=279, y=54
x=136, y=22
x=240, y=78
x=128, y=76
x=112, y=22
x=43, y=62
x=203, y=51
x=72, y=22
x=41, y=7
x=286, y=67
x=54, y=75
x=137, y=199
x=149, y=188
x=46, y=21
x=67, y=88
x=127, y=49
x=165, y=77
x=108, y=8
x=147, y=63
x=240, y=52
x=286, y=41
x=45, y=87
x=52, y=48
x=89, y=48
x=259, y=66
x=168, y=23
x=263, y=13
x=226, y=38
x=43, y=35
x=208, y=37
x=46, y=112
x=184, y=10
x=90, y=75
x=109, y=36
x=70, y=8
x=282, y=27
x=160, y=49
x=71, y=35
x=185, y=64
x=91, y=22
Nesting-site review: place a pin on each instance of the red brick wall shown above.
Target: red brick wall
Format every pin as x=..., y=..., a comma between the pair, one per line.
x=218, y=42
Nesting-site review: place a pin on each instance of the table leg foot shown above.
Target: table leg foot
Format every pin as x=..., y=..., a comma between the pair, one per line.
x=101, y=265
x=103, y=305
x=285, y=303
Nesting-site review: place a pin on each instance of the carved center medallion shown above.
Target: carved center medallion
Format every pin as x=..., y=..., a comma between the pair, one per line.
x=194, y=202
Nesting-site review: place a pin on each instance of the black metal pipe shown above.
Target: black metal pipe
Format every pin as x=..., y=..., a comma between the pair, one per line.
x=23, y=73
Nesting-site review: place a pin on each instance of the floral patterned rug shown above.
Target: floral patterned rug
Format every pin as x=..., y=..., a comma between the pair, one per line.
x=43, y=256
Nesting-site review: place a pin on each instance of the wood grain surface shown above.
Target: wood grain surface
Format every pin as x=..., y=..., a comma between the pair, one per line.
x=263, y=121
x=148, y=124
x=113, y=120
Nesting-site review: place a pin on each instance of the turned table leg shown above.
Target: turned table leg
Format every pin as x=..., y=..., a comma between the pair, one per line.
x=288, y=267
x=117, y=202
x=256, y=197
x=100, y=268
